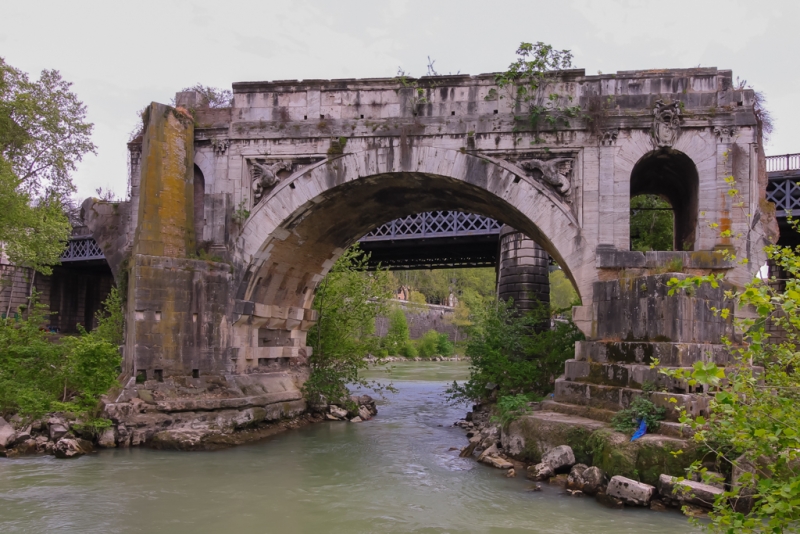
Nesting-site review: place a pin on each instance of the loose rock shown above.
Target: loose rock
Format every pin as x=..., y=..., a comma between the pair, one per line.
x=57, y=427
x=630, y=491
x=72, y=448
x=107, y=439
x=594, y=479
x=337, y=412
x=688, y=491
x=575, y=478
x=6, y=433
x=540, y=472
x=559, y=457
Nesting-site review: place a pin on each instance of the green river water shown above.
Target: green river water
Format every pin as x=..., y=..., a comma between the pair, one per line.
x=392, y=474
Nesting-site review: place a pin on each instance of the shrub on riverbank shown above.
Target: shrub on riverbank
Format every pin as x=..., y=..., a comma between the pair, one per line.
x=511, y=354
x=347, y=302
x=39, y=374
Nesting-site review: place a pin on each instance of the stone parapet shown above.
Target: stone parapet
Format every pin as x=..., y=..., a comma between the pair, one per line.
x=641, y=309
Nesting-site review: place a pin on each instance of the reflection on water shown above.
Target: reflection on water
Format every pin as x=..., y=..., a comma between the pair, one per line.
x=392, y=474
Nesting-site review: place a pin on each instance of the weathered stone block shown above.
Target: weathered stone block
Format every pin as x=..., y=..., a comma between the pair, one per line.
x=630, y=491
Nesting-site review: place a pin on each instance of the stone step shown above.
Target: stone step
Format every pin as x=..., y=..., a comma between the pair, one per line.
x=666, y=428
x=615, y=398
x=633, y=376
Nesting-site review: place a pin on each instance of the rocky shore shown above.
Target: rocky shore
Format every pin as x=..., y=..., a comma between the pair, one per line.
x=587, y=457
x=180, y=414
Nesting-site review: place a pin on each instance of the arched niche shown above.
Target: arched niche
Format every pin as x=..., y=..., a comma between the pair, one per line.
x=199, y=203
x=671, y=175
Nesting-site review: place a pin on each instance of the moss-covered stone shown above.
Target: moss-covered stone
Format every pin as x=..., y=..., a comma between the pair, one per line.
x=595, y=443
x=666, y=456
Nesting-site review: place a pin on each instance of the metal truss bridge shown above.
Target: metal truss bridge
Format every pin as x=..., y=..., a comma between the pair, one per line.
x=82, y=248
x=434, y=240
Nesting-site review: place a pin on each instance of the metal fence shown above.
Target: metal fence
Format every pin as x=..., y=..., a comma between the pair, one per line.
x=435, y=224
x=82, y=249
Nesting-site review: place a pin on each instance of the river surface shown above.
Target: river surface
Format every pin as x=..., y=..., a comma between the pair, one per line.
x=393, y=474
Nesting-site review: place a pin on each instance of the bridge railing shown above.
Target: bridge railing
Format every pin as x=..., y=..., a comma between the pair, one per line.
x=784, y=162
x=82, y=249
x=434, y=224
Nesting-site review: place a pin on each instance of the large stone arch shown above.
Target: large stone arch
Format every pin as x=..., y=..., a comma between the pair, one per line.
x=294, y=236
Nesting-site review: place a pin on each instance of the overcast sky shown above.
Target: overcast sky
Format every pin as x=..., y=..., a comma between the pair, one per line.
x=123, y=55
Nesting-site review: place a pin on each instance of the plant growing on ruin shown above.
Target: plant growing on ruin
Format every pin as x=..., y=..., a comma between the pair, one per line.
x=241, y=213
x=641, y=408
x=531, y=83
x=211, y=97
x=348, y=300
x=511, y=407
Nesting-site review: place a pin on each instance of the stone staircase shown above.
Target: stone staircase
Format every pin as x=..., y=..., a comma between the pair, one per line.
x=638, y=325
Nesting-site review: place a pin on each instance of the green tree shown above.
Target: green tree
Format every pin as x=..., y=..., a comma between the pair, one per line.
x=428, y=344
x=437, y=284
x=348, y=301
x=562, y=293
x=43, y=135
x=44, y=129
x=509, y=353
x=652, y=223
x=38, y=375
x=397, y=334
x=443, y=346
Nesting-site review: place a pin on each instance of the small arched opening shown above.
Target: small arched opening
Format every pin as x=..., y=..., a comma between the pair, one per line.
x=199, y=204
x=664, y=197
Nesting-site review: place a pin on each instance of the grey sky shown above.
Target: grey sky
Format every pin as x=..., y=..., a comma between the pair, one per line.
x=122, y=55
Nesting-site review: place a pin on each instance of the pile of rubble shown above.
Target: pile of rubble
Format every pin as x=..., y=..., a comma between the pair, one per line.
x=359, y=409
x=53, y=435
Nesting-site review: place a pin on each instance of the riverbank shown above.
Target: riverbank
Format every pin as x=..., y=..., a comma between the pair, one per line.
x=393, y=474
x=587, y=457
x=220, y=413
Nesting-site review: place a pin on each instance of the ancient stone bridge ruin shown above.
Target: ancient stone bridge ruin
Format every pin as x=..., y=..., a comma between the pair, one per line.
x=237, y=213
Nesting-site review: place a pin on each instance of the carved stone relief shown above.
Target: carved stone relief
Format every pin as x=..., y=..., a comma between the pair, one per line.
x=266, y=173
x=556, y=173
x=220, y=146
x=725, y=134
x=666, y=123
x=608, y=137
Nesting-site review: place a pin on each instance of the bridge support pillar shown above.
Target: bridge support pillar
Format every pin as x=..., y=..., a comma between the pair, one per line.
x=522, y=270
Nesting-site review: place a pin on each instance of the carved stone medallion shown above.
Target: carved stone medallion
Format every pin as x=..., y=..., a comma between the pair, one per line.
x=666, y=123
